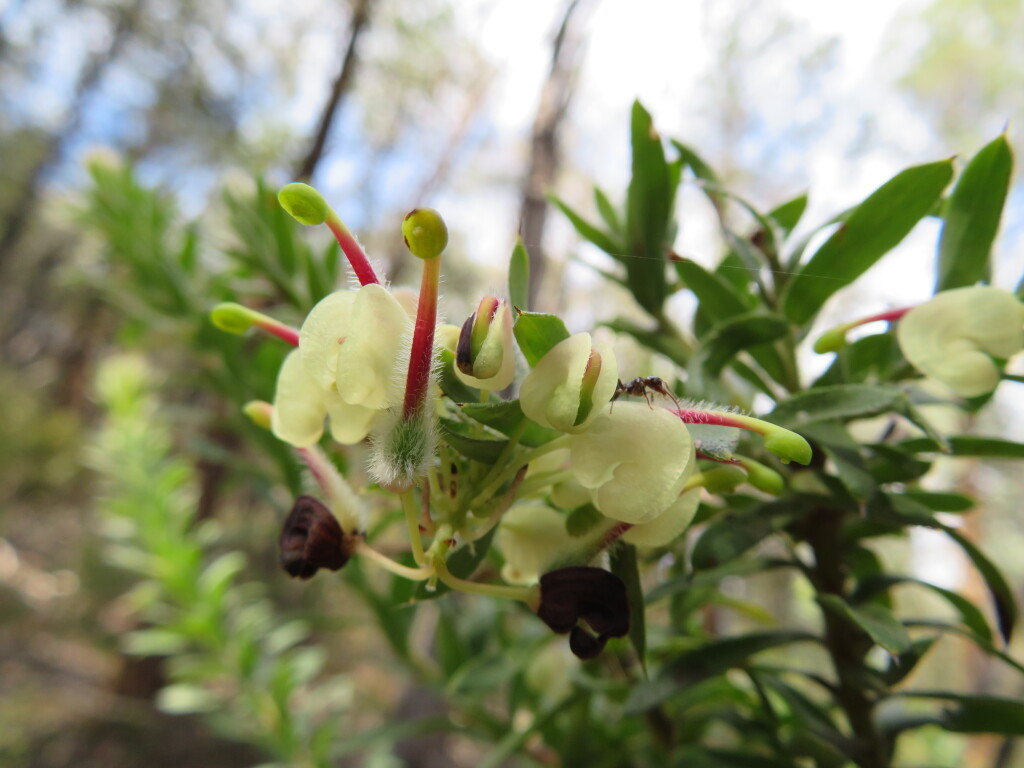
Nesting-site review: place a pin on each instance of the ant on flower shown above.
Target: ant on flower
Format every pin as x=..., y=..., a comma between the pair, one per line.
x=642, y=386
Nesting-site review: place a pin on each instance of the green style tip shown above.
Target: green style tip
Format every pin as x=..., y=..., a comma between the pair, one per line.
x=303, y=203
x=233, y=318
x=425, y=233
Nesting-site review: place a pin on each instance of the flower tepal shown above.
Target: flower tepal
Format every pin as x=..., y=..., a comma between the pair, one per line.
x=957, y=337
x=635, y=461
x=570, y=384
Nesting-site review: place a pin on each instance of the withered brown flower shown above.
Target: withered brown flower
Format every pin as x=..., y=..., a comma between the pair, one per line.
x=311, y=539
x=591, y=595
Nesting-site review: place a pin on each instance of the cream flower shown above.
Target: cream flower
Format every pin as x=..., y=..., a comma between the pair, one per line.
x=530, y=537
x=634, y=459
x=954, y=337
x=570, y=385
x=347, y=366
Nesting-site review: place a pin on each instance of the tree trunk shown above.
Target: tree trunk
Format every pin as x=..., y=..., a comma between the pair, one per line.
x=342, y=85
x=545, y=155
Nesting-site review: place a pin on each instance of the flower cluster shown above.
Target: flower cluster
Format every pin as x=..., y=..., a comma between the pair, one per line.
x=560, y=474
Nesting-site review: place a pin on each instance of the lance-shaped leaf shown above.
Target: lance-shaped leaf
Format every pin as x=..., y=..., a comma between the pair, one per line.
x=519, y=276
x=537, y=333
x=648, y=213
x=874, y=228
x=972, y=217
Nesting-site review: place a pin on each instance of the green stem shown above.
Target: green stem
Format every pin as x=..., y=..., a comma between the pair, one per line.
x=846, y=643
x=413, y=523
x=493, y=485
x=529, y=595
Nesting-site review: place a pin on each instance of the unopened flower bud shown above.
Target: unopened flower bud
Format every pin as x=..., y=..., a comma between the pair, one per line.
x=954, y=337
x=571, y=383
x=303, y=203
x=259, y=412
x=484, y=358
x=425, y=233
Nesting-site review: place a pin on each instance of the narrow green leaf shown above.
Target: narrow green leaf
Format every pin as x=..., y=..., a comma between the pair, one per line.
x=730, y=535
x=970, y=615
x=506, y=416
x=942, y=502
x=537, y=333
x=736, y=334
x=843, y=401
x=479, y=449
x=972, y=217
x=968, y=445
x=648, y=211
x=874, y=228
x=978, y=714
x=451, y=384
x=590, y=232
x=519, y=276
x=902, y=664
x=694, y=162
x=788, y=214
x=720, y=655
x=607, y=211
x=1002, y=596
x=884, y=628
x=624, y=564
x=672, y=347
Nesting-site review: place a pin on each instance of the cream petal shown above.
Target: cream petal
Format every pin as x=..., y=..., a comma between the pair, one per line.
x=551, y=392
x=323, y=333
x=530, y=537
x=669, y=525
x=366, y=365
x=635, y=461
x=350, y=424
x=299, y=404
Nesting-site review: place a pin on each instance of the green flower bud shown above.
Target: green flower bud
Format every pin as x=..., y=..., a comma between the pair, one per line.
x=763, y=478
x=484, y=357
x=425, y=233
x=303, y=203
x=259, y=412
x=954, y=337
x=722, y=479
x=832, y=340
x=233, y=318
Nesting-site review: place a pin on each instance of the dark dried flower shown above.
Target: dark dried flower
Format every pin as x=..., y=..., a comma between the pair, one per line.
x=311, y=539
x=592, y=595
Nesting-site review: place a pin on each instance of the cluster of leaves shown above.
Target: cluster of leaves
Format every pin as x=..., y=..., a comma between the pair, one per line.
x=233, y=656
x=753, y=309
